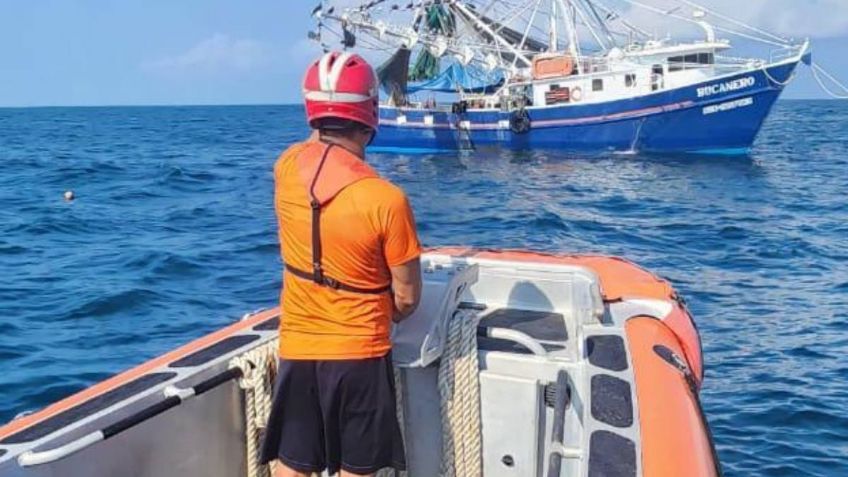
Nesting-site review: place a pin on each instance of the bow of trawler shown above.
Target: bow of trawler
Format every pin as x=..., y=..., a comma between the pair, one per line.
x=515, y=364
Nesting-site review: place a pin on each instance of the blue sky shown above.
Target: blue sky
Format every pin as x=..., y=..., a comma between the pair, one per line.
x=116, y=52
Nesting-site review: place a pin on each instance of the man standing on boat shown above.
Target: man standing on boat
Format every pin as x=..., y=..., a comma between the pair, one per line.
x=351, y=256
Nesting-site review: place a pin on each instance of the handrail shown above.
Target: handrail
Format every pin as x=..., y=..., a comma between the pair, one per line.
x=558, y=449
x=518, y=337
x=174, y=397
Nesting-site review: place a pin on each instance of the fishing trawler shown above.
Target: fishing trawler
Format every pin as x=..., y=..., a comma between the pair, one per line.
x=516, y=363
x=578, y=75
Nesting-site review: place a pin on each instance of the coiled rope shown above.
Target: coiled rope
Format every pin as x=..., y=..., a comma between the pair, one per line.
x=258, y=368
x=459, y=389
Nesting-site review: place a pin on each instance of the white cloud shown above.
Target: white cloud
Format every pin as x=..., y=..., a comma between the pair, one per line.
x=789, y=18
x=219, y=53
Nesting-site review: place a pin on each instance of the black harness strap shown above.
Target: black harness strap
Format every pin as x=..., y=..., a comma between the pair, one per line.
x=317, y=274
x=317, y=270
x=335, y=284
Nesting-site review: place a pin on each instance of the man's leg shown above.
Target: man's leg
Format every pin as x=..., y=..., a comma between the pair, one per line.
x=283, y=471
x=345, y=473
x=294, y=437
x=358, y=397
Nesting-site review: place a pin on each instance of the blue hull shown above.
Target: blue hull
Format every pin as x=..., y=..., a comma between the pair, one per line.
x=719, y=116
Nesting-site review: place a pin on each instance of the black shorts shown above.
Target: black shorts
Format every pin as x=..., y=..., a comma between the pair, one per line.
x=334, y=414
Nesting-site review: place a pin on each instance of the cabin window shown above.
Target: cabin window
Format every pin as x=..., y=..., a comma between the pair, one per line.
x=630, y=80
x=674, y=64
x=688, y=62
x=597, y=85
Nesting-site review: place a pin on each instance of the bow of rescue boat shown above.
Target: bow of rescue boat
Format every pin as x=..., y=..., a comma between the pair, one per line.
x=580, y=365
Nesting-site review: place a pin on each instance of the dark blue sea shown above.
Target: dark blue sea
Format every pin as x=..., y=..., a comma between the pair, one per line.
x=172, y=235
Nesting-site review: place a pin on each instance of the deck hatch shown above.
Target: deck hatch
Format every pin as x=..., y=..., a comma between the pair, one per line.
x=611, y=455
x=542, y=325
x=87, y=408
x=211, y=352
x=268, y=325
x=611, y=401
x=607, y=351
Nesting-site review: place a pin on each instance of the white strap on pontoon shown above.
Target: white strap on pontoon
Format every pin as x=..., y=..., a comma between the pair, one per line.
x=31, y=458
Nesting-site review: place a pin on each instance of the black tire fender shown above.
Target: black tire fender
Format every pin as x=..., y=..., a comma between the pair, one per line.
x=519, y=122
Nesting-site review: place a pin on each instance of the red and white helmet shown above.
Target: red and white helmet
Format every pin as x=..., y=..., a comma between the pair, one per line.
x=341, y=85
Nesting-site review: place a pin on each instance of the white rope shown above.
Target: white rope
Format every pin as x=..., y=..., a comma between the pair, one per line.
x=459, y=389
x=258, y=367
x=771, y=78
x=818, y=70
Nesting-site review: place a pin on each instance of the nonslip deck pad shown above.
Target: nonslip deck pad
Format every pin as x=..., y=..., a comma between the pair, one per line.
x=211, y=352
x=541, y=325
x=611, y=455
x=88, y=408
x=611, y=401
x=268, y=325
x=607, y=351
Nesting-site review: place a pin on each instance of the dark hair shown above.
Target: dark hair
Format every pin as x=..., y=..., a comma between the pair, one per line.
x=339, y=126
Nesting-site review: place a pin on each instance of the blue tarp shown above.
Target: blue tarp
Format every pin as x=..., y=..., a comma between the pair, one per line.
x=455, y=77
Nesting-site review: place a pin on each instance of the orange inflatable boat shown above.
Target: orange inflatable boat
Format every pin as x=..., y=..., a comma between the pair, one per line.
x=515, y=364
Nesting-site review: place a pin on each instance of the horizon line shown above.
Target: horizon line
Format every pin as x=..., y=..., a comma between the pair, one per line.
x=154, y=105
x=230, y=105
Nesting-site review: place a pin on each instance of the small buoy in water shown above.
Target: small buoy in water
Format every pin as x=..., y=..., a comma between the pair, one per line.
x=69, y=195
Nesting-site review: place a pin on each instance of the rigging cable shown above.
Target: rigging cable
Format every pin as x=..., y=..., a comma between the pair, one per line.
x=613, y=15
x=527, y=30
x=695, y=22
x=585, y=23
x=601, y=23
x=737, y=22
x=818, y=70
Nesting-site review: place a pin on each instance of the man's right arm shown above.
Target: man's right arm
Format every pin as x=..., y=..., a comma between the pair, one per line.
x=406, y=288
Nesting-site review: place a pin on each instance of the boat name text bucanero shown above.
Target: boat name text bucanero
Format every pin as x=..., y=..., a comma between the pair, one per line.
x=737, y=84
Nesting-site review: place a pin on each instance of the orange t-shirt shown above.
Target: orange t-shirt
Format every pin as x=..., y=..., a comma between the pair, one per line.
x=367, y=228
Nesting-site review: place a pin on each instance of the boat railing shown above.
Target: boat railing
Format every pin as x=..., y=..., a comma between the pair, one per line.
x=782, y=54
x=593, y=64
